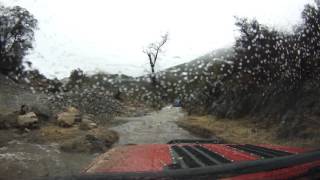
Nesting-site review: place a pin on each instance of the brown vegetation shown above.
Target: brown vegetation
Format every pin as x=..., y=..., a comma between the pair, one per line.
x=242, y=131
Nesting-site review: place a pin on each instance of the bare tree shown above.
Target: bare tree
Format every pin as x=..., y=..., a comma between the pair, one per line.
x=152, y=51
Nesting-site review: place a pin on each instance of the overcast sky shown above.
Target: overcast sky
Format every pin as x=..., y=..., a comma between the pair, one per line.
x=109, y=35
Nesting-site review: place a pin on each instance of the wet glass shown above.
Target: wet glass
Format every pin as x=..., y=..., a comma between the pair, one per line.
x=80, y=78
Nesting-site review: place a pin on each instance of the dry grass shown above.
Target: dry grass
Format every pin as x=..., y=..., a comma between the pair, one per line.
x=241, y=131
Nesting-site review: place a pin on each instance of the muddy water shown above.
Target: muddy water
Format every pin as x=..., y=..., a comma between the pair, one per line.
x=20, y=160
x=157, y=127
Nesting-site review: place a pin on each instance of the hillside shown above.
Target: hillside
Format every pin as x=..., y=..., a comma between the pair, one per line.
x=13, y=95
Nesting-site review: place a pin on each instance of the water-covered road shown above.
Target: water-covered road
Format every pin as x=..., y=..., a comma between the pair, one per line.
x=157, y=127
x=21, y=160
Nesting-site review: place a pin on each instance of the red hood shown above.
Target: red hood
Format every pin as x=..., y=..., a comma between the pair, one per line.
x=133, y=158
x=157, y=157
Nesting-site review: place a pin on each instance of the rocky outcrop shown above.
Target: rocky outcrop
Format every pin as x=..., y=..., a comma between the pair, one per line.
x=14, y=95
x=46, y=105
x=89, y=101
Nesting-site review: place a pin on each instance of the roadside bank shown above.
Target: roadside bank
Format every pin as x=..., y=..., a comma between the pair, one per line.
x=241, y=131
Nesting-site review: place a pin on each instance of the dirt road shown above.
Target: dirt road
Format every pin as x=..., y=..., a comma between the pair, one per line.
x=157, y=127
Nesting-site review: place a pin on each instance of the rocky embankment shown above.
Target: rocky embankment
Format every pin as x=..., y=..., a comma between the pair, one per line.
x=45, y=134
x=64, y=146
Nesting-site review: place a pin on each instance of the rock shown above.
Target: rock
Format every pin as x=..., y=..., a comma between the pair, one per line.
x=108, y=136
x=97, y=140
x=24, y=109
x=77, y=145
x=29, y=120
x=90, y=143
x=87, y=124
x=68, y=118
x=76, y=113
x=96, y=144
x=26, y=130
x=73, y=110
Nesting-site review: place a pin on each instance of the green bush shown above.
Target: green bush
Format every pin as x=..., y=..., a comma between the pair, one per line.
x=17, y=27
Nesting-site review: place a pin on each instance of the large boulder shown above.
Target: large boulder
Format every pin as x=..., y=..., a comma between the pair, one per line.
x=68, y=118
x=28, y=120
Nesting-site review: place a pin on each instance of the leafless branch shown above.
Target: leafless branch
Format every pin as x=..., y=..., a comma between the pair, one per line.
x=153, y=50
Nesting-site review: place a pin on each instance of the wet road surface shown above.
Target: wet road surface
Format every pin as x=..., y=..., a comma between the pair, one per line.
x=20, y=160
x=157, y=127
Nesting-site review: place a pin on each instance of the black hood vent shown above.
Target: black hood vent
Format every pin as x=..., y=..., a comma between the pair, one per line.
x=189, y=156
x=260, y=151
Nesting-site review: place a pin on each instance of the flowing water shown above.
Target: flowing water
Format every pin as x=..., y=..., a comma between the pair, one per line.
x=157, y=127
x=20, y=160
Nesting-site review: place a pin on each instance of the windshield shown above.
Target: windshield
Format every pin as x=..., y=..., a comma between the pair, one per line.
x=81, y=79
